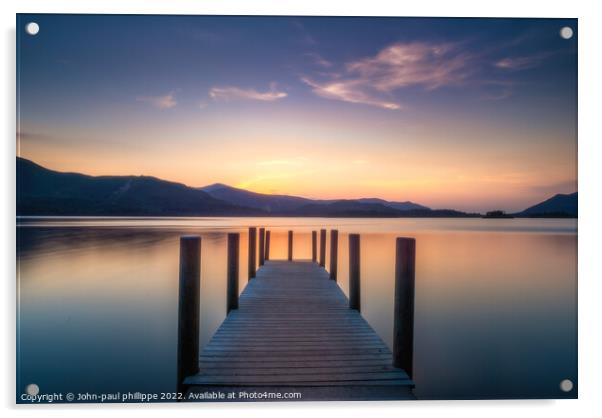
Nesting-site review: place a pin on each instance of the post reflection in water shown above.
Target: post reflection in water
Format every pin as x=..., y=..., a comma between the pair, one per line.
x=495, y=301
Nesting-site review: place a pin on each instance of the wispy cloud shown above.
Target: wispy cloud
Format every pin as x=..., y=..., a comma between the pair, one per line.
x=349, y=91
x=501, y=94
x=495, y=89
x=233, y=93
x=33, y=136
x=417, y=63
x=306, y=37
x=520, y=63
x=373, y=80
x=564, y=186
x=160, y=102
x=318, y=59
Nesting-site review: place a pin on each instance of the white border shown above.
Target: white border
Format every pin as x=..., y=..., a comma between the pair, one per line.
x=590, y=177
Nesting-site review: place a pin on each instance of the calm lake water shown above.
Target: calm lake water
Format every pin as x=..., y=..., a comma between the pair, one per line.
x=496, y=299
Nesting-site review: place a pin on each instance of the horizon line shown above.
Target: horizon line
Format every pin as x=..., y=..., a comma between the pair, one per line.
x=284, y=194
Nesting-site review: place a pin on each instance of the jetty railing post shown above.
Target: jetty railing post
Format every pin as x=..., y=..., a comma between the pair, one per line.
x=290, y=245
x=334, y=252
x=267, y=245
x=261, y=246
x=189, y=308
x=403, y=328
x=322, y=247
x=314, y=246
x=252, y=251
x=354, y=272
x=233, y=257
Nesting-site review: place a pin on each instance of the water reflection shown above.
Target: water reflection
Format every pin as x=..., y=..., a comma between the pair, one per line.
x=495, y=299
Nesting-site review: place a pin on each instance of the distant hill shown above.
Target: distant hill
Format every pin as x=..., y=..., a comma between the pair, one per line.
x=360, y=209
x=349, y=208
x=265, y=202
x=395, y=205
x=287, y=205
x=44, y=192
x=558, y=206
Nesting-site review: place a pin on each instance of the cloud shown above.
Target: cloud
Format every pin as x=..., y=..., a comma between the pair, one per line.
x=373, y=80
x=160, y=102
x=306, y=37
x=33, y=136
x=403, y=65
x=520, y=63
x=318, y=59
x=563, y=186
x=495, y=89
x=502, y=94
x=348, y=91
x=233, y=93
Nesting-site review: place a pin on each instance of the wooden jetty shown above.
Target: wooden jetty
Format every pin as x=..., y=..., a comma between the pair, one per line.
x=293, y=330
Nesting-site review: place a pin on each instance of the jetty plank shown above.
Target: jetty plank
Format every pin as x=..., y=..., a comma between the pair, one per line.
x=293, y=329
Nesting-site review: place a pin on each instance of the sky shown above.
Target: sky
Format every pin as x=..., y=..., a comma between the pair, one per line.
x=470, y=114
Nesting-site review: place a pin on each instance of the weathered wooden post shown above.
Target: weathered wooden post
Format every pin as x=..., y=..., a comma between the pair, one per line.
x=267, y=245
x=322, y=247
x=189, y=308
x=261, y=246
x=334, y=252
x=314, y=245
x=233, y=257
x=354, y=272
x=252, y=251
x=290, y=245
x=403, y=328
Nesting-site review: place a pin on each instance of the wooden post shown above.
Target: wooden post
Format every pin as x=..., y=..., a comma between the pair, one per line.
x=290, y=245
x=261, y=246
x=314, y=246
x=233, y=257
x=252, y=251
x=322, y=247
x=403, y=328
x=334, y=252
x=189, y=308
x=354, y=272
x=267, y=245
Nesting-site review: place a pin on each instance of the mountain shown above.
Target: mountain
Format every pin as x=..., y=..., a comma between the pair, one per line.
x=395, y=205
x=266, y=202
x=361, y=209
x=349, y=208
x=44, y=192
x=286, y=205
x=560, y=205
